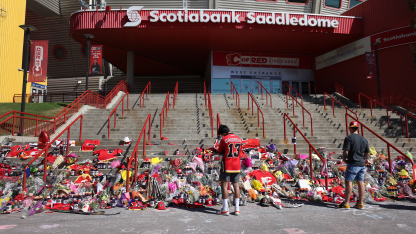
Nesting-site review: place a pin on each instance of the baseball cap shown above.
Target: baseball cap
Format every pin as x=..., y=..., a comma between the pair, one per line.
x=209, y=202
x=354, y=124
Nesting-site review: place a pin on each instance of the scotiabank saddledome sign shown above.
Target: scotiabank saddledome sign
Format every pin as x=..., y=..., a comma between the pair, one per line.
x=204, y=16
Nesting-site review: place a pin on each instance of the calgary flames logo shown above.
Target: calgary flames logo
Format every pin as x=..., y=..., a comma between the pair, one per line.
x=233, y=59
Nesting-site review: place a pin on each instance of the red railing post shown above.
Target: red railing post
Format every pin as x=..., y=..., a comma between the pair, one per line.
x=324, y=102
x=14, y=122
x=80, y=128
x=36, y=128
x=293, y=105
x=67, y=141
x=333, y=107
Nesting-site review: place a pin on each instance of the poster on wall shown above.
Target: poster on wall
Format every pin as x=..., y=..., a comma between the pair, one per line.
x=370, y=59
x=96, y=59
x=38, y=67
x=341, y=54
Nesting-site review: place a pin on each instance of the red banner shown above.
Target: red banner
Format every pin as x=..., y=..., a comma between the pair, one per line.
x=370, y=64
x=38, y=67
x=96, y=59
x=395, y=37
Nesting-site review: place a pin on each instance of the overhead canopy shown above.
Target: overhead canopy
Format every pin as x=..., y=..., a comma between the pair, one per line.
x=164, y=43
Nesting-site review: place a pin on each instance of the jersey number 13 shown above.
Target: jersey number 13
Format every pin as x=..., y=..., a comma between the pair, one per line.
x=234, y=150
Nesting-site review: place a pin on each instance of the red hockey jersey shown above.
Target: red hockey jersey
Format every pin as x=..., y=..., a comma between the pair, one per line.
x=231, y=149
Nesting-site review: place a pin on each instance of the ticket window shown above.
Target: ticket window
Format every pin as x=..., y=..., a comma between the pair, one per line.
x=37, y=95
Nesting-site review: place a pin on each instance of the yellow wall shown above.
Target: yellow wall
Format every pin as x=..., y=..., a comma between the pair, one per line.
x=11, y=48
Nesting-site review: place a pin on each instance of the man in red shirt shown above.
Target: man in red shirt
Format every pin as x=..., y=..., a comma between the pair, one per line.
x=230, y=148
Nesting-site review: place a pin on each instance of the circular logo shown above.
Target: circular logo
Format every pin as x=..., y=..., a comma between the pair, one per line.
x=134, y=16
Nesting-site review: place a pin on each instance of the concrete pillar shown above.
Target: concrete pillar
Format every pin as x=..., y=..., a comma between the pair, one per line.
x=316, y=7
x=130, y=69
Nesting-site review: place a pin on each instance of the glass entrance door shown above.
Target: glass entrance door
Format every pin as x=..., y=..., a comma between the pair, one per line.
x=295, y=86
x=246, y=86
x=275, y=86
x=305, y=88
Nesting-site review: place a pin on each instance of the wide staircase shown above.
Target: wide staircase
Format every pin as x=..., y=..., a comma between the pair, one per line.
x=188, y=125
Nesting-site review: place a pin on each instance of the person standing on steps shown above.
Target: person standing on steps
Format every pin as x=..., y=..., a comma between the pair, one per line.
x=355, y=151
x=231, y=149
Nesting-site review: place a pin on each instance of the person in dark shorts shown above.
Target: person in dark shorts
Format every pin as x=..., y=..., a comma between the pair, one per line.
x=231, y=149
x=355, y=151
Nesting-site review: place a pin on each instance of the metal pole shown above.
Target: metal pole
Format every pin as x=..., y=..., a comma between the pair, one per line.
x=25, y=69
x=378, y=74
x=88, y=63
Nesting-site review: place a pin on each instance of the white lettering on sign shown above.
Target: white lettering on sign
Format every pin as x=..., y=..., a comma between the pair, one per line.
x=202, y=16
x=37, y=69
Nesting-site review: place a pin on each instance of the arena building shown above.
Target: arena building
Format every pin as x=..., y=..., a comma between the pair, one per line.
x=298, y=42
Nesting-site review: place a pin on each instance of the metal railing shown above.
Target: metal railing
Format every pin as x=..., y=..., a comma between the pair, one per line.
x=47, y=97
x=175, y=95
x=115, y=112
x=237, y=96
x=303, y=110
x=146, y=89
x=295, y=128
x=267, y=94
x=258, y=111
x=211, y=115
x=218, y=122
x=333, y=100
x=23, y=125
x=371, y=100
x=133, y=157
x=389, y=145
x=45, y=150
x=164, y=113
x=296, y=92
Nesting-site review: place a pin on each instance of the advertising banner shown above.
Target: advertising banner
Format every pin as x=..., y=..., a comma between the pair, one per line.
x=96, y=59
x=222, y=58
x=38, y=67
x=370, y=59
x=395, y=37
x=349, y=51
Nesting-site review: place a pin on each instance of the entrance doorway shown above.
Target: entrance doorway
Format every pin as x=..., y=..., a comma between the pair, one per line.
x=37, y=95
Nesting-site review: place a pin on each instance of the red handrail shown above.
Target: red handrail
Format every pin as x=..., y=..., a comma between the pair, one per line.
x=147, y=90
x=389, y=145
x=86, y=98
x=175, y=95
x=211, y=115
x=407, y=123
x=303, y=110
x=333, y=100
x=237, y=96
x=134, y=155
x=267, y=94
x=290, y=87
x=258, y=110
x=46, y=149
x=218, y=122
x=115, y=112
x=387, y=109
x=164, y=112
x=295, y=127
x=339, y=89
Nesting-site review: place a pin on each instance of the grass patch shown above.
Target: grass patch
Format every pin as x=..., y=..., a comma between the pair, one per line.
x=49, y=109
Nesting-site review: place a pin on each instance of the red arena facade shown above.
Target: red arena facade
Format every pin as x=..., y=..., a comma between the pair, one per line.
x=245, y=46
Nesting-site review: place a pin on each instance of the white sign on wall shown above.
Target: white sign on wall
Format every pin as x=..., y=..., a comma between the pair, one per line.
x=341, y=54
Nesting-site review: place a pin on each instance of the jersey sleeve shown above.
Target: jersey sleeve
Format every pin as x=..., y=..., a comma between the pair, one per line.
x=222, y=149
